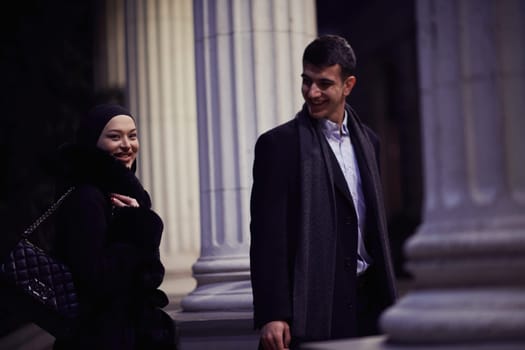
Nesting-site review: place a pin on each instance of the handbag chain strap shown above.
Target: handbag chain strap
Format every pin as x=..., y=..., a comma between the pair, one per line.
x=47, y=213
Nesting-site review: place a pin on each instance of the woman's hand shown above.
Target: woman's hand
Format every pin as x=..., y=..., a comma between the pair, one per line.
x=119, y=200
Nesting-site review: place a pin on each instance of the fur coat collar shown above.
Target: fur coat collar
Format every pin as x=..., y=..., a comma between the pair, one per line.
x=89, y=165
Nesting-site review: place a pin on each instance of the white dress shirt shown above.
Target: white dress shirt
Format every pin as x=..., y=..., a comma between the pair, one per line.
x=341, y=145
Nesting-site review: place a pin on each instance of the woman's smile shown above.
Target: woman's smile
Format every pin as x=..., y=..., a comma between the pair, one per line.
x=119, y=138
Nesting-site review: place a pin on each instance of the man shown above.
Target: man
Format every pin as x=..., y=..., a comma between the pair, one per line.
x=320, y=259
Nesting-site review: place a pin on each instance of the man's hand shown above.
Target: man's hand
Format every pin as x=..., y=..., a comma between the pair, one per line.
x=275, y=335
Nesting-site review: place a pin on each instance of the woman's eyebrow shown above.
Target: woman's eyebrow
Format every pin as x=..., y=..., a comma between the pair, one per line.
x=120, y=130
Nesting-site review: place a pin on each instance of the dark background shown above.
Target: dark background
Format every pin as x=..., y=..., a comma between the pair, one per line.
x=46, y=69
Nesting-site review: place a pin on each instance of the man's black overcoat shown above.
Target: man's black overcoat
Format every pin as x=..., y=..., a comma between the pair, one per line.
x=276, y=229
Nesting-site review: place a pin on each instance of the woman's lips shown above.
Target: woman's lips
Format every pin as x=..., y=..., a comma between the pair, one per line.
x=123, y=156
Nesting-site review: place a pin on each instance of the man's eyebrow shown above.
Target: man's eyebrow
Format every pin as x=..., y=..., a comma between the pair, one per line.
x=324, y=80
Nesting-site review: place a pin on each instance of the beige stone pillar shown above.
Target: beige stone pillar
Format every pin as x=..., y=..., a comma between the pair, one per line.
x=161, y=93
x=468, y=256
x=248, y=64
x=109, y=53
x=248, y=56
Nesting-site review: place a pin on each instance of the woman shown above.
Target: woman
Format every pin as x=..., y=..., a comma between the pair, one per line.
x=109, y=236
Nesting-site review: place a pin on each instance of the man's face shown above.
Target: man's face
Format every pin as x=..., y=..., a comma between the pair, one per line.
x=324, y=91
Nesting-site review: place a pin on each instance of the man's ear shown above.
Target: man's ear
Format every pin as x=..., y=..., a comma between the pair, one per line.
x=349, y=84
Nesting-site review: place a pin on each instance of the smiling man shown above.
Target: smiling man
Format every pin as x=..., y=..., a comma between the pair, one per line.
x=320, y=259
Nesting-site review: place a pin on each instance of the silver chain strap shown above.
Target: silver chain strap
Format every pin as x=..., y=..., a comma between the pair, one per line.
x=47, y=213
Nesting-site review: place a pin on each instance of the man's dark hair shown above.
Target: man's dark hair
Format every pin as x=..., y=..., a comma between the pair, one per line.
x=327, y=50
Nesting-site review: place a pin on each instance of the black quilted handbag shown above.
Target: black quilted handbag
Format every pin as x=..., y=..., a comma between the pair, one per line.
x=39, y=286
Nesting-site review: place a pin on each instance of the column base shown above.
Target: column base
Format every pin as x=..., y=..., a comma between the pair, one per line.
x=221, y=296
x=382, y=343
x=457, y=316
x=223, y=284
x=178, y=280
x=216, y=330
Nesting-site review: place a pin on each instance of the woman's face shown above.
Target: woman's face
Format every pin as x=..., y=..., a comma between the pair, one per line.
x=119, y=138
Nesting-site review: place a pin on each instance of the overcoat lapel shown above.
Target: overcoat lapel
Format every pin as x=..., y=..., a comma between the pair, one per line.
x=371, y=183
x=365, y=155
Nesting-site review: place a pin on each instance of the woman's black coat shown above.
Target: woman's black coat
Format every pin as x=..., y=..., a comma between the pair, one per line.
x=113, y=254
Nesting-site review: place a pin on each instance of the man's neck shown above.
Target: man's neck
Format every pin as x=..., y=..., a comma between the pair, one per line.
x=339, y=121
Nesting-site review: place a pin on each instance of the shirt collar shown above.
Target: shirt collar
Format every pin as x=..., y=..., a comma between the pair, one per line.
x=331, y=129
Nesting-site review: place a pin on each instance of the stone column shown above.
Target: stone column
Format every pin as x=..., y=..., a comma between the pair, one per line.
x=248, y=64
x=161, y=94
x=468, y=256
x=109, y=62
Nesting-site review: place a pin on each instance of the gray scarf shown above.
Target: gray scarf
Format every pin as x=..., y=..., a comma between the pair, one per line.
x=315, y=259
x=314, y=268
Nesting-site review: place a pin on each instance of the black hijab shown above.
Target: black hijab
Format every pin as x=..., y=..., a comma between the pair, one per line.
x=83, y=162
x=92, y=124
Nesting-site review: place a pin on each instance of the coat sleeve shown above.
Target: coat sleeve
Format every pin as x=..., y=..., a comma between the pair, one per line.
x=270, y=251
x=141, y=227
x=101, y=268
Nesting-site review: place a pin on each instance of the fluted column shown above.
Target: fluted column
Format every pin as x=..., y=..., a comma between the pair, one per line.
x=468, y=257
x=161, y=93
x=248, y=64
x=109, y=61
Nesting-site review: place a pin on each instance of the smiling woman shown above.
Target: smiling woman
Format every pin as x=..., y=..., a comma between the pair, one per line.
x=119, y=138
x=109, y=236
